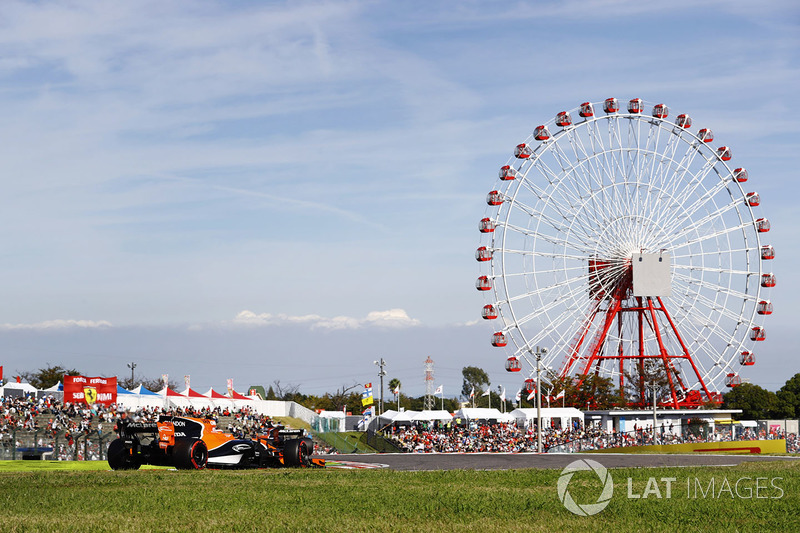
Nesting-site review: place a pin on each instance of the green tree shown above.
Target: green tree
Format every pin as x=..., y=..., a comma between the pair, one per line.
x=639, y=381
x=474, y=377
x=755, y=402
x=590, y=390
x=789, y=396
x=394, y=384
x=156, y=384
x=345, y=397
x=151, y=384
x=46, y=377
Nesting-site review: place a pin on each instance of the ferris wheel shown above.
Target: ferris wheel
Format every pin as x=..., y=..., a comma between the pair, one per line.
x=615, y=237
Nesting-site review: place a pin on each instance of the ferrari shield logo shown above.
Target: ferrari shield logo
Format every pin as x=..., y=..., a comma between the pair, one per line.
x=90, y=394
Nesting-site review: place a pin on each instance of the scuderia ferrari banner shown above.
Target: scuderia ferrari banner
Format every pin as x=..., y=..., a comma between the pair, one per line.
x=80, y=389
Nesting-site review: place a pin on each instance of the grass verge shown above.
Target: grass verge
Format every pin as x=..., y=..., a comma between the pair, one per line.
x=381, y=500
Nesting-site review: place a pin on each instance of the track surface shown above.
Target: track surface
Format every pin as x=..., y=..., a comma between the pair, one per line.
x=505, y=461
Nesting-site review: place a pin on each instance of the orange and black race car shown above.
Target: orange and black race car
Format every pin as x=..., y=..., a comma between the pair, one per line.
x=192, y=443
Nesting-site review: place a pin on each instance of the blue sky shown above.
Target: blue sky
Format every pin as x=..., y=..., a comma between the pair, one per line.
x=223, y=189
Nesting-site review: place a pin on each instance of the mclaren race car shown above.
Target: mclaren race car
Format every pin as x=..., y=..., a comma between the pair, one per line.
x=191, y=443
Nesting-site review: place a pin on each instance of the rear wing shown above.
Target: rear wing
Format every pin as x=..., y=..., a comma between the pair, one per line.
x=291, y=432
x=137, y=428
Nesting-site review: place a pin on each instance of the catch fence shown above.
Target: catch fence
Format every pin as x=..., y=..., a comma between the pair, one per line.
x=58, y=446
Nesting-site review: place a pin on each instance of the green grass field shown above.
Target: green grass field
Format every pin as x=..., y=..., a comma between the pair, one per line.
x=82, y=496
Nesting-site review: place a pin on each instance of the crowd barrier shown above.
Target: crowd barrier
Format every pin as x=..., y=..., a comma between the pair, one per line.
x=59, y=446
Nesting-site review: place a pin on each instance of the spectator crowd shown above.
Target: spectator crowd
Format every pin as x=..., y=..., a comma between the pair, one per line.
x=63, y=427
x=508, y=437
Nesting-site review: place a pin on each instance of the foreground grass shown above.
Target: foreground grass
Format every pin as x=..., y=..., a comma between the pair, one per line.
x=34, y=466
x=380, y=500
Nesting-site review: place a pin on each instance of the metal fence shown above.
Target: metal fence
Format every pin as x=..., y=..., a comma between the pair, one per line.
x=327, y=424
x=60, y=446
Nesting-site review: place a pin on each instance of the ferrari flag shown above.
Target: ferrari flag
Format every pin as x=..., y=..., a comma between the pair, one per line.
x=82, y=389
x=366, y=396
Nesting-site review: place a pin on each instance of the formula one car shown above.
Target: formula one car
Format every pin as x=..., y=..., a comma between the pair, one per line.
x=192, y=443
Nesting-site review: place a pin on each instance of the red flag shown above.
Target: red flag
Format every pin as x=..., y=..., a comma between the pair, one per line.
x=1, y=373
x=18, y=378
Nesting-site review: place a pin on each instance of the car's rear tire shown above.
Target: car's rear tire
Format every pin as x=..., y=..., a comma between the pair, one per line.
x=295, y=453
x=119, y=457
x=190, y=454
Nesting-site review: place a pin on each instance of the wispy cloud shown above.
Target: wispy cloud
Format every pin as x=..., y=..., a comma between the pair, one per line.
x=392, y=319
x=58, y=324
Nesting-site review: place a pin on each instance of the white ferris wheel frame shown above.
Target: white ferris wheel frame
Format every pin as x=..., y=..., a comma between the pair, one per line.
x=607, y=186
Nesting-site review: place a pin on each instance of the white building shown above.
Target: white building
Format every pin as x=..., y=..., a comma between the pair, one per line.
x=669, y=419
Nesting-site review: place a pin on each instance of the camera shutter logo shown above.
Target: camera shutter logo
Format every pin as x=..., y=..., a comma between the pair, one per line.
x=586, y=509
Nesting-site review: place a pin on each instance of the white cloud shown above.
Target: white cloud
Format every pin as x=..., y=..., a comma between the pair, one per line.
x=59, y=324
x=392, y=318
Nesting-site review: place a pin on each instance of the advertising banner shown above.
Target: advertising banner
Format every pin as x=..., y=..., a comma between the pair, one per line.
x=90, y=390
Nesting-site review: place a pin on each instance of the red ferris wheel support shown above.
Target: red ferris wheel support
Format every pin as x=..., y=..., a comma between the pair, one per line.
x=649, y=318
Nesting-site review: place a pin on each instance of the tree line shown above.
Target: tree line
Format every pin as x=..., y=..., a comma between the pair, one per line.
x=590, y=391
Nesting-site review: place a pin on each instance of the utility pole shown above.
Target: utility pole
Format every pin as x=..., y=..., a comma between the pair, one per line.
x=132, y=365
x=539, y=353
x=653, y=387
x=382, y=373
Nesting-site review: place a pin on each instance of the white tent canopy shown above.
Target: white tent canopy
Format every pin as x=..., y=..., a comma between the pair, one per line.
x=428, y=415
x=17, y=389
x=26, y=388
x=483, y=413
x=197, y=402
x=55, y=388
x=405, y=416
x=144, y=399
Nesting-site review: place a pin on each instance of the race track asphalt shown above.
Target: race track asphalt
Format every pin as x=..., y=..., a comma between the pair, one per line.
x=506, y=461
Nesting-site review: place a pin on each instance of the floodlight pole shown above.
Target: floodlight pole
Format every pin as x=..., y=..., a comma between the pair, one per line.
x=382, y=373
x=132, y=365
